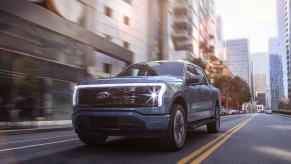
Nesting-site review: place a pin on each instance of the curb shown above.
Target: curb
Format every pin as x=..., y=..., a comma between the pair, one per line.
x=37, y=123
x=284, y=115
x=34, y=130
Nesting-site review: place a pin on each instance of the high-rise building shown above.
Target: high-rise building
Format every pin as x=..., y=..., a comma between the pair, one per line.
x=260, y=83
x=280, y=10
x=238, y=58
x=220, y=50
x=287, y=5
x=191, y=25
x=131, y=24
x=252, y=80
x=261, y=98
x=277, y=45
x=276, y=80
x=261, y=68
x=219, y=28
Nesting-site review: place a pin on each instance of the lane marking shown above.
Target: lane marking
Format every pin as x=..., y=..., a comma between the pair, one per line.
x=37, y=139
x=230, y=117
x=203, y=148
x=217, y=145
x=35, y=145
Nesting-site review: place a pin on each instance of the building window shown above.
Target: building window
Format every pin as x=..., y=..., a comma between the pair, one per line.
x=107, y=67
x=126, y=20
x=128, y=1
x=125, y=44
x=108, y=11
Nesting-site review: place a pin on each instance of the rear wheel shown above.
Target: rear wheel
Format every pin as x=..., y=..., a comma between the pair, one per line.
x=91, y=139
x=214, y=126
x=176, y=133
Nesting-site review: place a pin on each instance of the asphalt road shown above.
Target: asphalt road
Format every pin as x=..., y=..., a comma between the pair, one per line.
x=258, y=138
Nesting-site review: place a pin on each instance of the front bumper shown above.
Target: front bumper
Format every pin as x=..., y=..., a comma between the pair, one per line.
x=119, y=123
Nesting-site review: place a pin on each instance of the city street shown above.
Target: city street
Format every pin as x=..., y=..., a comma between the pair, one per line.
x=251, y=138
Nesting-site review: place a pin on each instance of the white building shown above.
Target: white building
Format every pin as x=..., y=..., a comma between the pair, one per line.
x=190, y=23
x=133, y=24
x=151, y=29
x=238, y=58
x=220, y=49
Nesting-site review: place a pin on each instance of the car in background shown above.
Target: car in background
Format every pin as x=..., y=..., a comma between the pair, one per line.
x=268, y=111
x=223, y=111
x=234, y=112
x=242, y=112
x=260, y=108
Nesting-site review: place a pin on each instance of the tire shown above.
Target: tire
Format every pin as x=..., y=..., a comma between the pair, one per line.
x=214, y=125
x=91, y=139
x=177, y=130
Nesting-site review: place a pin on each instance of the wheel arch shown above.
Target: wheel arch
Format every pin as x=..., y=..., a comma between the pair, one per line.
x=180, y=100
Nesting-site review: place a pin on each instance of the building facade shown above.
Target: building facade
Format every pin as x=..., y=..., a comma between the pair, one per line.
x=238, y=58
x=134, y=25
x=42, y=57
x=220, y=49
x=260, y=83
x=261, y=71
x=276, y=80
x=191, y=24
x=61, y=43
x=277, y=45
x=287, y=9
x=261, y=98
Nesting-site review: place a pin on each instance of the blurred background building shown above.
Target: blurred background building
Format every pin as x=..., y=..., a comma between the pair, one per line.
x=287, y=16
x=276, y=80
x=47, y=46
x=191, y=25
x=42, y=56
x=238, y=58
x=261, y=75
x=220, y=49
x=261, y=98
x=278, y=54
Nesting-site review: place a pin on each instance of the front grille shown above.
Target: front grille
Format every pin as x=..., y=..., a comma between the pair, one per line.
x=108, y=122
x=118, y=97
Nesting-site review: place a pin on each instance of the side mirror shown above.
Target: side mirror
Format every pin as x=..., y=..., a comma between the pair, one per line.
x=194, y=80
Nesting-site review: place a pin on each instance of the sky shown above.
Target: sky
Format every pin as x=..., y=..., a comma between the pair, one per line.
x=252, y=19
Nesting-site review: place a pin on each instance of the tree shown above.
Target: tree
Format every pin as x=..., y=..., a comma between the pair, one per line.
x=283, y=104
x=235, y=91
x=205, y=47
x=198, y=62
x=241, y=91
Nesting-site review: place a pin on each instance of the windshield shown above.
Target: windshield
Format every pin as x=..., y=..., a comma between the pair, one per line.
x=154, y=69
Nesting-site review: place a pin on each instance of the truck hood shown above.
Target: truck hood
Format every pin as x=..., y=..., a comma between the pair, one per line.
x=124, y=80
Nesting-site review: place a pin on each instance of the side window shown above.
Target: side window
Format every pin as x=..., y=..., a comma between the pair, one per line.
x=191, y=71
x=201, y=73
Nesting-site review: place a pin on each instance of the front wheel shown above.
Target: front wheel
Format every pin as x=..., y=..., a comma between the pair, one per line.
x=176, y=133
x=214, y=126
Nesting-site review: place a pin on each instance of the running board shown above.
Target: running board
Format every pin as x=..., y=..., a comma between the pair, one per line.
x=196, y=124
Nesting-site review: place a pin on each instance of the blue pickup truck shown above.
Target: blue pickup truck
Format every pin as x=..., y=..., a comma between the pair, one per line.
x=152, y=99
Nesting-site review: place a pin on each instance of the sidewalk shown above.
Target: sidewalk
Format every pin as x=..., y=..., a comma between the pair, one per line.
x=13, y=128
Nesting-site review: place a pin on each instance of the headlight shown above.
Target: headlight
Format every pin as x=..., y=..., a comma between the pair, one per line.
x=156, y=93
x=75, y=97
